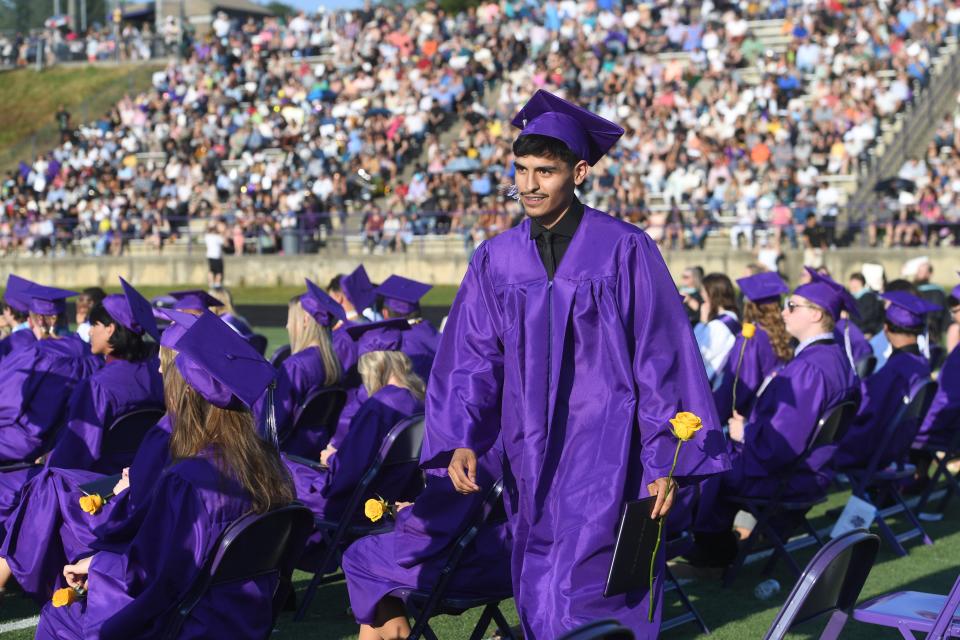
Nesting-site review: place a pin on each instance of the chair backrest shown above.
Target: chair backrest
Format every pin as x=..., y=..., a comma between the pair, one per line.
x=280, y=354
x=937, y=356
x=127, y=432
x=903, y=427
x=947, y=616
x=865, y=366
x=599, y=630
x=319, y=411
x=258, y=342
x=832, y=425
x=255, y=545
x=831, y=582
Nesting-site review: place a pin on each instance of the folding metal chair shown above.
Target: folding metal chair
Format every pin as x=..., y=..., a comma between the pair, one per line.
x=255, y=545
x=676, y=547
x=829, y=429
x=865, y=366
x=318, y=412
x=422, y=605
x=280, y=354
x=830, y=584
x=914, y=611
x=878, y=482
x=951, y=485
x=123, y=437
x=600, y=630
x=400, y=447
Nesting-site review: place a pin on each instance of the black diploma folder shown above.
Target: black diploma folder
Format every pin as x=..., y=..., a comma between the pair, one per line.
x=102, y=487
x=633, y=550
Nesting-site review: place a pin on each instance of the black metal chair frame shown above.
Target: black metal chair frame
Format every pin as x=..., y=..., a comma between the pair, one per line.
x=407, y=434
x=951, y=485
x=829, y=429
x=865, y=366
x=327, y=418
x=126, y=433
x=600, y=630
x=676, y=547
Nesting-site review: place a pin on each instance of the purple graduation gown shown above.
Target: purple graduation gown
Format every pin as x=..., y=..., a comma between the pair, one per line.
x=34, y=397
x=131, y=591
x=859, y=345
x=759, y=361
x=413, y=554
x=777, y=432
x=420, y=344
x=16, y=341
x=299, y=375
x=881, y=397
x=579, y=376
x=940, y=426
x=48, y=529
x=238, y=324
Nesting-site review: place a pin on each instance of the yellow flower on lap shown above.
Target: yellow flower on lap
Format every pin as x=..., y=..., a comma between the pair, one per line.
x=375, y=509
x=91, y=504
x=64, y=597
x=685, y=425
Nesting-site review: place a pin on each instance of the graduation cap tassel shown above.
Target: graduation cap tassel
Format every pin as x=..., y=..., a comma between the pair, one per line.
x=925, y=349
x=272, y=417
x=846, y=344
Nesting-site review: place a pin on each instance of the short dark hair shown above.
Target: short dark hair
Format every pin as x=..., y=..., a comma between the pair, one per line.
x=909, y=331
x=96, y=294
x=858, y=277
x=534, y=144
x=952, y=302
x=334, y=285
x=900, y=285
x=19, y=316
x=124, y=344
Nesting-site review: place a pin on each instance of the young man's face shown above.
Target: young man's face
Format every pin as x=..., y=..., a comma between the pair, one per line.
x=546, y=184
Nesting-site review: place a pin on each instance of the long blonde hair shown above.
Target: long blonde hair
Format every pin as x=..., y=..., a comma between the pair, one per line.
x=305, y=332
x=768, y=316
x=239, y=451
x=377, y=367
x=223, y=295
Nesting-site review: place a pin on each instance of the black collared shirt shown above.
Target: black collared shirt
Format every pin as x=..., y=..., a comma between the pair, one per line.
x=552, y=243
x=913, y=349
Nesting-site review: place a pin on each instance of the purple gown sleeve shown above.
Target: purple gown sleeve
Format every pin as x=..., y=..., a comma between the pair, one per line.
x=667, y=380
x=78, y=445
x=357, y=452
x=942, y=421
x=466, y=383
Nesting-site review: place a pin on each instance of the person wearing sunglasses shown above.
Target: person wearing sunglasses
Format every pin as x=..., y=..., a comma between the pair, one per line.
x=782, y=421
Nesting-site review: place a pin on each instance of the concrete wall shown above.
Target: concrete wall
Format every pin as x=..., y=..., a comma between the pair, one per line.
x=265, y=271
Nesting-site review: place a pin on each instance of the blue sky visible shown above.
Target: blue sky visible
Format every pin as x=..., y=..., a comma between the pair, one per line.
x=311, y=5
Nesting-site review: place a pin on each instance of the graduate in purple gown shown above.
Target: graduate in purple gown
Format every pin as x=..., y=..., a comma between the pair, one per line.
x=882, y=393
x=399, y=297
x=859, y=345
x=312, y=365
x=222, y=470
x=568, y=341
x=195, y=300
x=942, y=421
x=17, y=314
x=395, y=393
x=38, y=380
x=718, y=327
x=764, y=353
x=228, y=314
x=413, y=553
x=783, y=420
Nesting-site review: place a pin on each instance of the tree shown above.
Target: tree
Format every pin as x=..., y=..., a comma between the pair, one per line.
x=281, y=9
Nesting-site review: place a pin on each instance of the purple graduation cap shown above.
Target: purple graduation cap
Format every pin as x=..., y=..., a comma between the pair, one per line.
x=321, y=307
x=47, y=301
x=826, y=293
x=194, y=299
x=180, y=322
x=763, y=287
x=358, y=289
x=586, y=134
x=386, y=335
x=15, y=293
x=907, y=310
x=402, y=295
x=133, y=311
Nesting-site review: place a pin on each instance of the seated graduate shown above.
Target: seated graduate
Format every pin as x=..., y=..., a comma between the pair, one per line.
x=17, y=315
x=878, y=343
x=414, y=552
x=312, y=364
x=782, y=421
x=194, y=301
x=399, y=297
x=49, y=527
x=395, y=393
x=222, y=469
x=882, y=393
x=953, y=329
x=848, y=332
x=718, y=327
x=228, y=314
x=38, y=380
x=753, y=359
x=942, y=422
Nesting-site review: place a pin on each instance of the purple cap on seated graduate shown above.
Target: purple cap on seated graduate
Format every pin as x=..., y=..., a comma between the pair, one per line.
x=386, y=335
x=763, y=287
x=586, y=134
x=321, y=307
x=824, y=292
x=907, y=310
x=194, y=300
x=47, y=301
x=180, y=322
x=402, y=295
x=133, y=311
x=15, y=293
x=358, y=289
x=220, y=365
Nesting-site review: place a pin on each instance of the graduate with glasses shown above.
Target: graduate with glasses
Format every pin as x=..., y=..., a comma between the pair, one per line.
x=775, y=434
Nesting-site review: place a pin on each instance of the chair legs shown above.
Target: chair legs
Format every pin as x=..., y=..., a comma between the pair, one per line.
x=670, y=583
x=894, y=540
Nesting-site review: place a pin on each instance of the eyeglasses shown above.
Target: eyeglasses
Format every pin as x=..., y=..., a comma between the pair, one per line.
x=790, y=306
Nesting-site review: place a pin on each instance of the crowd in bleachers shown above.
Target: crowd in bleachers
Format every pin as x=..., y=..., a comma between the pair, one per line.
x=277, y=128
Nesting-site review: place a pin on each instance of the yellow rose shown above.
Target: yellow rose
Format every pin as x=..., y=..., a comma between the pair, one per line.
x=91, y=504
x=685, y=425
x=375, y=508
x=64, y=597
x=749, y=330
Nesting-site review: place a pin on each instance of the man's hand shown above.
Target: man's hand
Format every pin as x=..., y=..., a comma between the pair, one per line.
x=463, y=471
x=664, y=489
